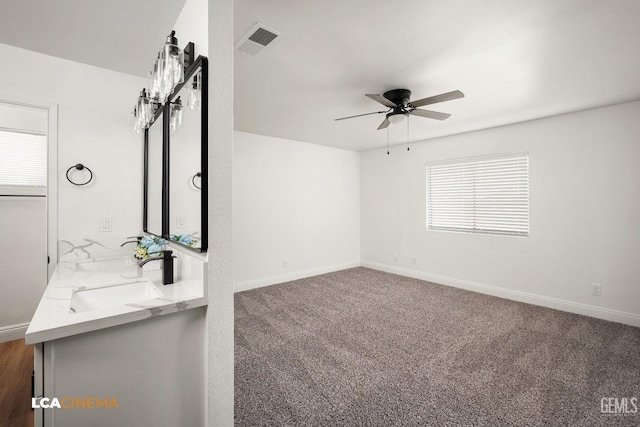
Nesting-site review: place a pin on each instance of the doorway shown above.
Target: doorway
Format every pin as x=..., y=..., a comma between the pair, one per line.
x=27, y=209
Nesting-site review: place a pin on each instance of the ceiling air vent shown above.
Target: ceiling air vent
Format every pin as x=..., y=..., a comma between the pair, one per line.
x=256, y=39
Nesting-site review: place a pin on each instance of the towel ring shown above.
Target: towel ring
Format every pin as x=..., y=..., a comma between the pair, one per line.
x=79, y=167
x=193, y=180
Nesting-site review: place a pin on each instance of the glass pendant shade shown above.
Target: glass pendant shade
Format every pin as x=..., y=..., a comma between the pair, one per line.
x=195, y=93
x=133, y=124
x=396, y=118
x=144, y=111
x=171, y=64
x=176, y=114
x=156, y=80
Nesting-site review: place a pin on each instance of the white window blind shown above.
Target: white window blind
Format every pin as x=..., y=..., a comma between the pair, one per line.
x=23, y=161
x=488, y=194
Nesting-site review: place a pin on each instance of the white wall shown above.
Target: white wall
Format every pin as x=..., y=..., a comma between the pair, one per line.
x=93, y=128
x=293, y=201
x=584, y=214
x=192, y=26
x=94, y=107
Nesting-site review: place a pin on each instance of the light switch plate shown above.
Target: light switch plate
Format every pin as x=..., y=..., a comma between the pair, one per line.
x=106, y=223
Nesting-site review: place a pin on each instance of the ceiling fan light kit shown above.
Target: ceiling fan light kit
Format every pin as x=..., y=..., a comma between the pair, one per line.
x=395, y=118
x=400, y=107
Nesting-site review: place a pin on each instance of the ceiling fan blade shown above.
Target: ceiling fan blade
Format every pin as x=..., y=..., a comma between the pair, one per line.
x=438, y=98
x=384, y=124
x=430, y=114
x=360, y=115
x=382, y=100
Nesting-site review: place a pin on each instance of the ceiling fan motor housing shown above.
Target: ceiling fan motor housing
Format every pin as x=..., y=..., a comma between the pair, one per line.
x=400, y=97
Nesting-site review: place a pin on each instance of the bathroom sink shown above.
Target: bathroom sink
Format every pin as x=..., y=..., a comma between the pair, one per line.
x=115, y=294
x=103, y=264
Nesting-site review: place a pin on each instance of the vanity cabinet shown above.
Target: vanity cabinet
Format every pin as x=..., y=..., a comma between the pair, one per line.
x=116, y=347
x=146, y=373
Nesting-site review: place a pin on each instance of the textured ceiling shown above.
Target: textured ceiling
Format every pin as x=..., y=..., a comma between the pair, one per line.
x=515, y=60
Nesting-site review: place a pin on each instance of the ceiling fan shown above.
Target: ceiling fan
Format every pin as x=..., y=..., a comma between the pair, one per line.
x=397, y=100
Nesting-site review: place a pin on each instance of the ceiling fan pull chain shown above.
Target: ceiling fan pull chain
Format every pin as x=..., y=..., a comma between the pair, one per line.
x=407, y=132
x=387, y=140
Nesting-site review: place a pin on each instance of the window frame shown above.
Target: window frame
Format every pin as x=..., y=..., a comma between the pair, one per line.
x=481, y=197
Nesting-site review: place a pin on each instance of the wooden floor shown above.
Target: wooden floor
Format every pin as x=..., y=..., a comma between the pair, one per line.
x=16, y=365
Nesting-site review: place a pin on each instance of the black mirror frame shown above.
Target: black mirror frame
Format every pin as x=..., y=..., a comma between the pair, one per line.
x=145, y=189
x=200, y=63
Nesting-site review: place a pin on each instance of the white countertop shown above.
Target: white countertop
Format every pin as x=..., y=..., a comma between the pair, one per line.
x=55, y=319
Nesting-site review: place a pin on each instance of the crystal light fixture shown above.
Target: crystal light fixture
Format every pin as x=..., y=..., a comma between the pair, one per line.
x=171, y=66
x=156, y=79
x=143, y=111
x=176, y=114
x=195, y=93
x=167, y=73
x=133, y=120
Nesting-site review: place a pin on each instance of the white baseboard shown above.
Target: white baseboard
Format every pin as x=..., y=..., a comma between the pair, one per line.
x=13, y=332
x=281, y=278
x=544, y=301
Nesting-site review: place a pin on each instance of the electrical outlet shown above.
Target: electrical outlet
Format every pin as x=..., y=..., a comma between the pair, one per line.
x=395, y=258
x=285, y=263
x=106, y=224
x=414, y=260
x=180, y=221
x=596, y=289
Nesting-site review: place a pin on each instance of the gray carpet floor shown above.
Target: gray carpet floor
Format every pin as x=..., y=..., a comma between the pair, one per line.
x=361, y=347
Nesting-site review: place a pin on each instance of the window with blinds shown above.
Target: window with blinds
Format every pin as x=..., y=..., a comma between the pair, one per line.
x=23, y=162
x=488, y=194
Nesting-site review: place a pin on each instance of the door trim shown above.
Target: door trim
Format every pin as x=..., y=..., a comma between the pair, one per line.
x=17, y=331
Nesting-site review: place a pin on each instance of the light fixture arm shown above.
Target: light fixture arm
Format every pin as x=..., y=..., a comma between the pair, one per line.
x=189, y=54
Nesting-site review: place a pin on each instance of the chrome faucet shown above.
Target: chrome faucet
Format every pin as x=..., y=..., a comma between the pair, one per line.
x=138, y=238
x=167, y=265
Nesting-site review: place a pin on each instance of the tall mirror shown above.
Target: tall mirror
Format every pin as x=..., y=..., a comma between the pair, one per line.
x=187, y=115
x=153, y=177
